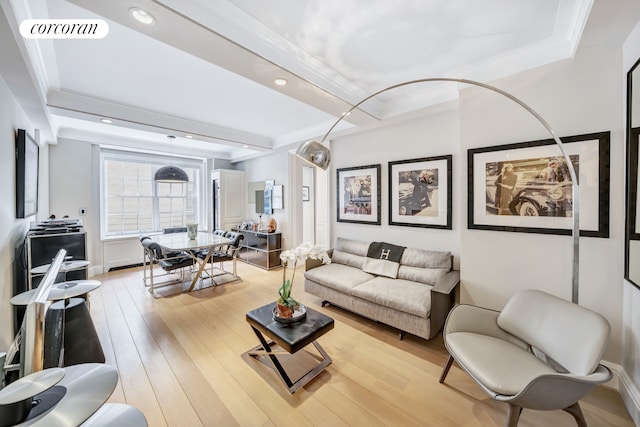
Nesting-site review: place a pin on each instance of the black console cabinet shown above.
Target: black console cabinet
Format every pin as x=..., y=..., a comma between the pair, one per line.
x=261, y=249
x=42, y=248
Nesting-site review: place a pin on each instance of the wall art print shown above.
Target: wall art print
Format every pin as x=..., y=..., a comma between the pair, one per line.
x=358, y=194
x=527, y=187
x=420, y=192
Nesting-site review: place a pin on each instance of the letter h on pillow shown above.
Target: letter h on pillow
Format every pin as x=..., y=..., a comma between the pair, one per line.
x=383, y=259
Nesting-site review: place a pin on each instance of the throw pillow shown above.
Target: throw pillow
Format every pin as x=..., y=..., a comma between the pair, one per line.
x=383, y=259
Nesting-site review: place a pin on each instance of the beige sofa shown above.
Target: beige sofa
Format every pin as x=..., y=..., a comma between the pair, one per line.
x=416, y=301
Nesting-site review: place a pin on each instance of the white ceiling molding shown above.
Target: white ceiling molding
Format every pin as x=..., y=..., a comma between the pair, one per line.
x=79, y=106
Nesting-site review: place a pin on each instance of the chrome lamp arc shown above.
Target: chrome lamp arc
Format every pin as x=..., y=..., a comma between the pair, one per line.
x=316, y=153
x=171, y=174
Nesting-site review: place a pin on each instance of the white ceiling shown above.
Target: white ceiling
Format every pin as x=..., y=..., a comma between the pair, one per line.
x=206, y=68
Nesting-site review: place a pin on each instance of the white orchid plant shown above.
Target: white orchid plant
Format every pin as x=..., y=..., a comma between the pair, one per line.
x=291, y=258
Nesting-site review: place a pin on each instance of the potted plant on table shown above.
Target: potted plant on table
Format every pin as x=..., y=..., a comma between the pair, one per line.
x=286, y=304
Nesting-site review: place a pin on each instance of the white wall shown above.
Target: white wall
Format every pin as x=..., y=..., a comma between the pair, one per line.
x=275, y=167
x=12, y=230
x=434, y=134
x=577, y=96
x=631, y=294
x=71, y=187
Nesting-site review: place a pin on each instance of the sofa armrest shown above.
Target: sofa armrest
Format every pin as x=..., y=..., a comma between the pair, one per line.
x=443, y=298
x=448, y=283
x=313, y=263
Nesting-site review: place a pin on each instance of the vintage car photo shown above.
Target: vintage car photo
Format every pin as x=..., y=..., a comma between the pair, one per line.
x=533, y=187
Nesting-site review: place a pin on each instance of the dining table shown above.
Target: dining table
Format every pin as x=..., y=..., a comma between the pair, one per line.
x=180, y=242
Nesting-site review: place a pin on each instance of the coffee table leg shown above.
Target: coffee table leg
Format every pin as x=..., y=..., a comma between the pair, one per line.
x=276, y=363
x=265, y=349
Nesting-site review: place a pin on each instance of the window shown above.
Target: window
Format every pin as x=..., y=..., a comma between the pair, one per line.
x=133, y=203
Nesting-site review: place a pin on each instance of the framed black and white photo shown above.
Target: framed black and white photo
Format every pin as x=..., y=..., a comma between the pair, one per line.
x=305, y=193
x=358, y=194
x=526, y=187
x=420, y=192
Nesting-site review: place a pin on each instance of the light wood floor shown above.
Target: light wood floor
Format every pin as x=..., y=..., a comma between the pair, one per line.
x=181, y=362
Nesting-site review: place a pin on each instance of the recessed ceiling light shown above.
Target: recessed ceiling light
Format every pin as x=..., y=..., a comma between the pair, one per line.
x=188, y=136
x=245, y=146
x=142, y=16
x=107, y=121
x=280, y=81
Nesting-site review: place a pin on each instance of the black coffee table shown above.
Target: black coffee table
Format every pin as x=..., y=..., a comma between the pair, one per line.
x=291, y=337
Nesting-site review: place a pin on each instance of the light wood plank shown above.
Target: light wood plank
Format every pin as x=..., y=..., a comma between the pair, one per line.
x=181, y=361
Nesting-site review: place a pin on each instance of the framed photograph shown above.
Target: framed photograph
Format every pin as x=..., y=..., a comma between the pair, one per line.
x=277, y=201
x=358, y=192
x=305, y=193
x=526, y=187
x=420, y=192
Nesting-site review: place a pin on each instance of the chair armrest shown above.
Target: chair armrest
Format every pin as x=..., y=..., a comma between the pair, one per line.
x=443, y=298
x=479, y=320
x=313, y=263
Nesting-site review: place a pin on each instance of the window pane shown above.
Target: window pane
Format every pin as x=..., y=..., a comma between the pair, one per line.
x=134, y=203
x=145, y=187
x=130, y=204
x=114, y=223
x=177, y=205
x=164, y=189
x=114, y=205
x=113, y=187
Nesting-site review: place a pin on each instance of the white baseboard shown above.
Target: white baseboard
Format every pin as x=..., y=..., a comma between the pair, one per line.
x=627, y=389
x=95, y=270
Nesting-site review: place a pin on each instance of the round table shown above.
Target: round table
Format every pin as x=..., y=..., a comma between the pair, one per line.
x=59, y=291
x=64, y=267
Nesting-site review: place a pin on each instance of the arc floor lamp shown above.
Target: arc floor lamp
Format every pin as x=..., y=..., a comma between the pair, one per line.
x=319, y=155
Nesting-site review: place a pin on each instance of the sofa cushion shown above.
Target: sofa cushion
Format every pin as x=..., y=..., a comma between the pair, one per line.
x=349, y=252
x=355, y=247
x=338, y=276
x=345, y=258
x=402, y=295
x=424, y=266
x=383, y=259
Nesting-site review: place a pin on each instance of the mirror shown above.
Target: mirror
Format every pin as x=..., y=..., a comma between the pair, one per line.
x=632, y=250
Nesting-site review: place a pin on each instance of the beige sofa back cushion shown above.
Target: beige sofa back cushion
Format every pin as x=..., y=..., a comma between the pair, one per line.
x=424, y=266
x=350, y=252
x=417, y=265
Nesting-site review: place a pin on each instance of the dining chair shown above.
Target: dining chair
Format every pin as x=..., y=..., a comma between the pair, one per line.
x=229, y=252
x=169, y=262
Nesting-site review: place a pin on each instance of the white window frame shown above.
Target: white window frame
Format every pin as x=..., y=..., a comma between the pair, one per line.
x=158, y=161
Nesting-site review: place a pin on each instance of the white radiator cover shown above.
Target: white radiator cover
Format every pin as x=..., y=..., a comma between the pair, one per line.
x=121, y=252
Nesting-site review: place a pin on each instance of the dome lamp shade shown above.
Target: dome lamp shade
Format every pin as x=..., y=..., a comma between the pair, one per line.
x=171, y=175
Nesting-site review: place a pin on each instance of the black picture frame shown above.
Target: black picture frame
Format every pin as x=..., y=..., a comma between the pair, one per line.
x=27, y=174
x=537, y=205
x=420, y=192
x=358, y=194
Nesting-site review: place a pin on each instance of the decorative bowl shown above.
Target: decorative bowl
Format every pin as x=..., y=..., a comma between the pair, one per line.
x=299, y=314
